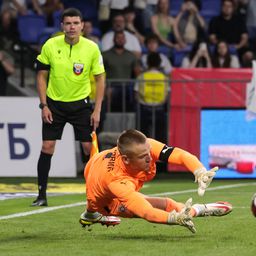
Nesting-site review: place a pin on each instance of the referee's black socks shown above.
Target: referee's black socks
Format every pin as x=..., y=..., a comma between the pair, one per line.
x=43, y=168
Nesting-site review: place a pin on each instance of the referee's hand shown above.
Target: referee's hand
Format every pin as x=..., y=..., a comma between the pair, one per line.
x=95, y=119
x=47, y=115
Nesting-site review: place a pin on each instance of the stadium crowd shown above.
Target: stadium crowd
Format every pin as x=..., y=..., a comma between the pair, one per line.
x=182, y=33
x=185, y=33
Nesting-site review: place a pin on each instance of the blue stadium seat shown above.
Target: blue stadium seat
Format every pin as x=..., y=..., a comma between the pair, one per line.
x=56, y=16
x=88, y=9
x=96, y=32
x=164, y=50
x=208, y=15
x=210, y=8
x=175, y=6
x=30, y=27
x=144, y=49
x=232, y=49
x=178, y=55
x=46, y=34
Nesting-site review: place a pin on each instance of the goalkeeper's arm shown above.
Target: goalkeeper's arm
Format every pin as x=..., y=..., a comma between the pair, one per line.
x=140, y=207
x=183, y=157
x=202, y=176
x=135, y=202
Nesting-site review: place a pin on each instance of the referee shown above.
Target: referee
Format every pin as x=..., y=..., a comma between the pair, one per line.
x=63, y=83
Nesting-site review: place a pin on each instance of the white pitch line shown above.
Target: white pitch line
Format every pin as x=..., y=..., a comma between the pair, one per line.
x=48, y=209
x=208, y=189
x=53, y=208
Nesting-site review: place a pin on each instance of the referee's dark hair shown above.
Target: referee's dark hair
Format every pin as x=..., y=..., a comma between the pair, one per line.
x=71, y=12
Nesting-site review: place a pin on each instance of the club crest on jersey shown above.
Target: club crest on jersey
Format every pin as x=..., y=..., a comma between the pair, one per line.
x=78, y=68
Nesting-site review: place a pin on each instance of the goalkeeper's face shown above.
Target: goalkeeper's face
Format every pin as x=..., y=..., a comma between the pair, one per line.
x=140, y=158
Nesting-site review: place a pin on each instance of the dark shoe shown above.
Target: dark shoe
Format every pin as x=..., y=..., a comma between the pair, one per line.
x=87, y=219
x=40, y=202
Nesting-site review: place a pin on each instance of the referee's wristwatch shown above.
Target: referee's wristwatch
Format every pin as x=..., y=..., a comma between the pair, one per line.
x=42, y=105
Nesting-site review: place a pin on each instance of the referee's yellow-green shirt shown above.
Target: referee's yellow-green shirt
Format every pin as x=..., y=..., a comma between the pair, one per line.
x=70, y=67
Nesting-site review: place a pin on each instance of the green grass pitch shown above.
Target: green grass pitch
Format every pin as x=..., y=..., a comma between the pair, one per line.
x=58, y=232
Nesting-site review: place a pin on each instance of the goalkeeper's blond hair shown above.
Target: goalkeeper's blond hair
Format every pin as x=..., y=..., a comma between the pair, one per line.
x=127, y=139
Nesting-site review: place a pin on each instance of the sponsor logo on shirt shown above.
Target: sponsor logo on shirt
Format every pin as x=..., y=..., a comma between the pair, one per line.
x=111, y=162
x=108, y=155
x=122, y=208
x=78, y=68
x=166, y=148
x=165, y=153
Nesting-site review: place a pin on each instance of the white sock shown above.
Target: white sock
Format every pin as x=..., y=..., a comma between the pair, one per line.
x=199, y=209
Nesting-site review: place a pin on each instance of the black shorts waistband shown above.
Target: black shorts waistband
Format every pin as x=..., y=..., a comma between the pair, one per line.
x=58, y=101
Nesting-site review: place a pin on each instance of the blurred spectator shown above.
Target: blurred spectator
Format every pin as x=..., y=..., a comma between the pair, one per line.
x=241, y=7
x=120, y=63
x=152, y=45
x=227, y=26
x=189, y=25
x=15, y=7
x=151, y=92
x=108, y=9
x=88, y=32
x=129, y=15
x=222, y=58
x=6, y=68
x=35, y=5
x=23, y=7
x=132, y=43
x=145, y=9
x=162, y=24
x=10, y=9
x=251, y=19
x=49, y=7
x=8, y=31
x=199, y=57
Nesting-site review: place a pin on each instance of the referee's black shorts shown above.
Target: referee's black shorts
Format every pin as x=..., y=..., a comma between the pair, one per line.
x=77, y=113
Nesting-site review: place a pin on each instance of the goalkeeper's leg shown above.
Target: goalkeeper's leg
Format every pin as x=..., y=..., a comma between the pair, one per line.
x=107, y=216
x=212, y=209
x=164, y=203
x=197, y=210
x=88, y=218
x=97, y=214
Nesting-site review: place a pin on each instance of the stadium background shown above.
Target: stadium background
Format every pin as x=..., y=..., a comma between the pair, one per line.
x=193, y=93
x=217, y=118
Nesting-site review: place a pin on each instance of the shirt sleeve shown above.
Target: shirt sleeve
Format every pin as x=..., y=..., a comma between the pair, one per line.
x=167, y=67
x=160, y=151
x=136, y=45
x=43, y=57
x=107, y=41
x=185, y=62
x=137, y=84
x=234, y=62
x=97, y=63
x=135, y=202
x=182, y=157
x=174, y=155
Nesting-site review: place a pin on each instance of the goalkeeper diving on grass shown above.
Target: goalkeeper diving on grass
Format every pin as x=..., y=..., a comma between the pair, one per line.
x=114, y=178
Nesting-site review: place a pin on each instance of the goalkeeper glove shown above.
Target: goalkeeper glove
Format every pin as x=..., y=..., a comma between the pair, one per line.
x=182, y=218
x=204, y=178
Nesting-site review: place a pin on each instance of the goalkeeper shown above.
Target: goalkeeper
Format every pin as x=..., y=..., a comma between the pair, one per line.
x=115, y=176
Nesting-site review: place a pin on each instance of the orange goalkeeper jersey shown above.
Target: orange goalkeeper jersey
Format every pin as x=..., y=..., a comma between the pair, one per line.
x=108, y=179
